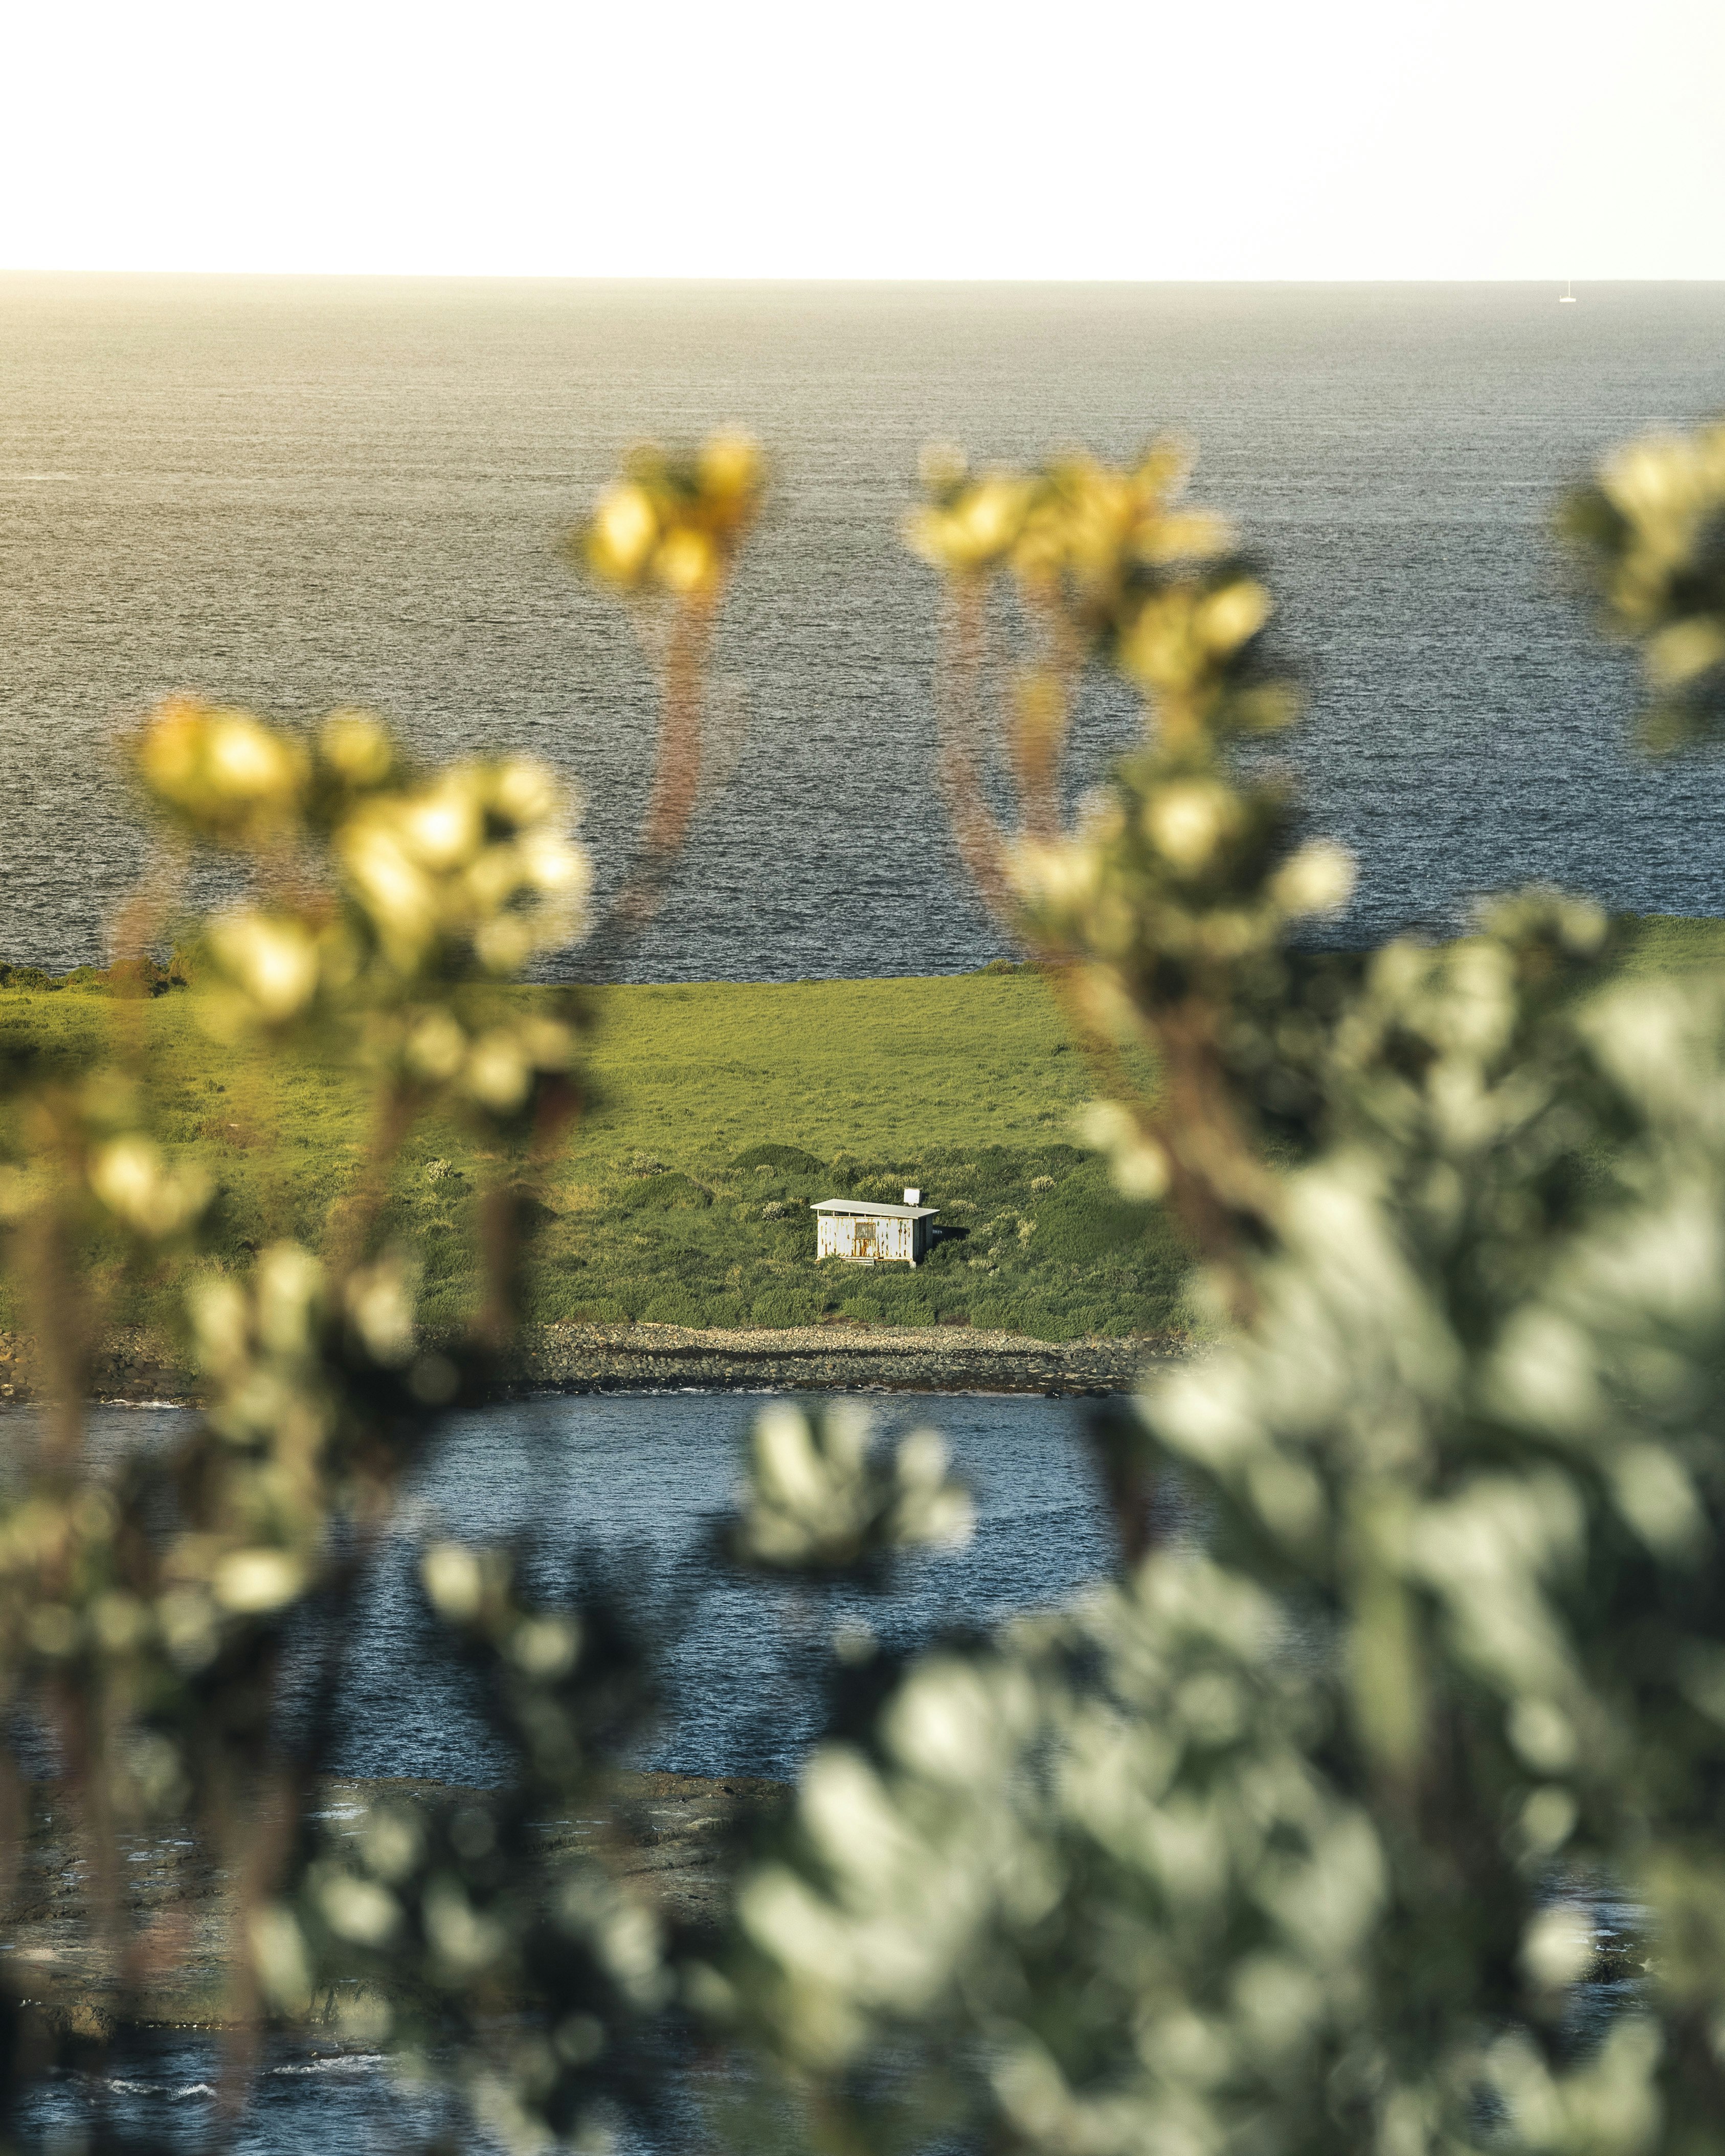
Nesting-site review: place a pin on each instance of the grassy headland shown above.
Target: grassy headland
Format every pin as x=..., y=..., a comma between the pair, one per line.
x=1671, y=942
x=720, y=1111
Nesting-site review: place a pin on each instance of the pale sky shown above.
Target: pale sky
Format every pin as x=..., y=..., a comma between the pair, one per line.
x=901, y=138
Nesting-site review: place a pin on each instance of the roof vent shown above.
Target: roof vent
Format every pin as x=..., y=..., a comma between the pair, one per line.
x=913, y=1197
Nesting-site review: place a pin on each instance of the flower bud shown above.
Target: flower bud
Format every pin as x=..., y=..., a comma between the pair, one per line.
x=622, y=535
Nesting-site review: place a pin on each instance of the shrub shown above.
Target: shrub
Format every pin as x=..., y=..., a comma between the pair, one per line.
x=597, y=1310
x=784, y=1306
x=131, y=976
x=670, y=1192
x=789, y=1160
x=1295, y=1838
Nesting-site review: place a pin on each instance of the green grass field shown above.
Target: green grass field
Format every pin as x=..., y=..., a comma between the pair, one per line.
x=719, y=1111
x=1671, y=942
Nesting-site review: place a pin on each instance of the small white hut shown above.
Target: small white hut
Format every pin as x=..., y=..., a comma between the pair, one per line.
x=865, y=1233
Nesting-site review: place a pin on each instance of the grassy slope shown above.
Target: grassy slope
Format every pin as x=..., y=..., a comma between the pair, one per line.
x=975, y=1060
x=963, y=1086
x=1667, y=942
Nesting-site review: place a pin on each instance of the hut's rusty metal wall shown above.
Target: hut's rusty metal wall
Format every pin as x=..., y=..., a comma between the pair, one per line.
x=847, y=1235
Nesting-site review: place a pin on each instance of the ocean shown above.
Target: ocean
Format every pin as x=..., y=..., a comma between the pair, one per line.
x=623, y=1492
x=293, y=493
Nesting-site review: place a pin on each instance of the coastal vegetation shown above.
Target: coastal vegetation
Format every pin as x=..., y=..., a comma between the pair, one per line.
x=717, y=1113
x=1299, y=1835
x=1291, y=1836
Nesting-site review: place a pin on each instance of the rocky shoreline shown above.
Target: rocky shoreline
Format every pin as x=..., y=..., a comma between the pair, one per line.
x=841, y=1357
x=846, y=1356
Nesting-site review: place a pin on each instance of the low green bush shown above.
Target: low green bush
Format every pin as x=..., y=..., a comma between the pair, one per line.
x=671, y=1192
x=789, y=1160
x=785, y=1306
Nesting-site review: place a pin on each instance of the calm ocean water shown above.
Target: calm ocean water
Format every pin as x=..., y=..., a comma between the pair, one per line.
x=625, y=1488
x=293, y=493
x=628, y=1488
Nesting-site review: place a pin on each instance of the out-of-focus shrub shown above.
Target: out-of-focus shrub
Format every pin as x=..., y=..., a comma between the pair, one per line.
x=1294, y=1837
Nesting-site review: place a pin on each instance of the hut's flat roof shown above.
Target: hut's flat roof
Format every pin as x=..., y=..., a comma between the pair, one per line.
x=874, y=1212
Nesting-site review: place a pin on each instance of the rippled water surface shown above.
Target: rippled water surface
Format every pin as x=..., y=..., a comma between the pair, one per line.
x=624, y=1488
x=629, y=1488
x=300, y=493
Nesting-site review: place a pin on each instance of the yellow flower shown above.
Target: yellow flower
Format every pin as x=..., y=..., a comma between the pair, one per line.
x=526, y=792
x=1685, y=650
x=444, y=828
x=1228, y=618
x=685, y=561
x=1186, y=821
x=435, y=1047
x=252, y=1582
x=1061, y=878
x=133, y=1180
x=1318, y=879
x=394, y=892
x=431, y=876
x=356, y=747
x=1653, y=482
x=675, y=522
x=729, y=466
x=271, y=959
x=979, y=527
x=497, y=1074
x=226, y=774
x=622, y=535
x=454, y=1580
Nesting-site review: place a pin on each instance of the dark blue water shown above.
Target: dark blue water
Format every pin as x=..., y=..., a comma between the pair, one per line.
x=163, y=2094
x=297, y=493
x=624, y=1488
x=627, y=1489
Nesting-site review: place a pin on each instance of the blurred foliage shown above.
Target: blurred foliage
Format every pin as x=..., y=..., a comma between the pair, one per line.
x=822, y=1499
x=1181, y=894
x=675, y=522
x=1650, y=534
x=434, y=1930
x=665, y=539
x=145, y=1612
x=1292, y=1836
x=172, y=1626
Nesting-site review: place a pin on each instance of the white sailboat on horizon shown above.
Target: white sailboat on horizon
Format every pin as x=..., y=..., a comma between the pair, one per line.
x=1566, y=298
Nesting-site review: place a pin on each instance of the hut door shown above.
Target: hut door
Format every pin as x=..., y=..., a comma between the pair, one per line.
x=863, y=1243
